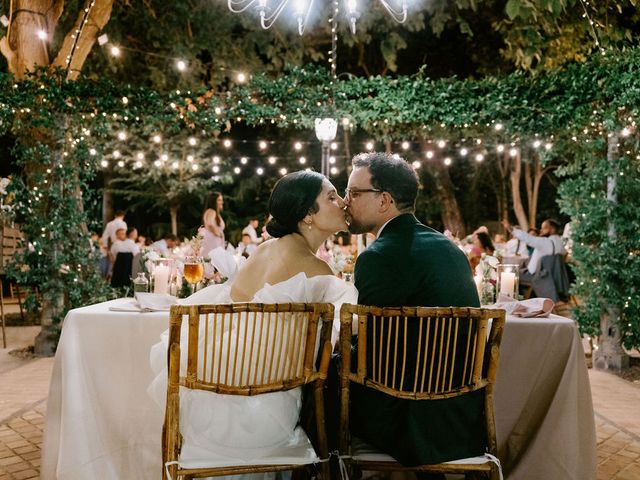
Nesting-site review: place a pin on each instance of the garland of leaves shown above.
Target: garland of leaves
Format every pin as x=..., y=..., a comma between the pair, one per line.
x=57, y=123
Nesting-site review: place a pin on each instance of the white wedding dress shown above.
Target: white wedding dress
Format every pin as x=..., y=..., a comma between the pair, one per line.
x=245, y=429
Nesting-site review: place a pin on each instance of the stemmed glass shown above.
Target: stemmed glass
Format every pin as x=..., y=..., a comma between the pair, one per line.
x=193, y=270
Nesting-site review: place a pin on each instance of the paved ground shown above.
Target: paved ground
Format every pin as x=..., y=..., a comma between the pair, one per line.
x=24, y=385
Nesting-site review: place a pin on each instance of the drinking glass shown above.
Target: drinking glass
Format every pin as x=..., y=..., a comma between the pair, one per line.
x=193, y=270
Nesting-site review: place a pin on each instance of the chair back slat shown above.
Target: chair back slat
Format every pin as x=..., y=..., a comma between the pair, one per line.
x=248, y=347
x=420, y=352
x=453, y=354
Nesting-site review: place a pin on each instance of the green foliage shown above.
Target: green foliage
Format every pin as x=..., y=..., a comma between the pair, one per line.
x=606, y=245
x=59, y=124
x=541, y=35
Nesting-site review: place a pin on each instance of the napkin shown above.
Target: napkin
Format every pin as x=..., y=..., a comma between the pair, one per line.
x=533, y=307
x=146, y=302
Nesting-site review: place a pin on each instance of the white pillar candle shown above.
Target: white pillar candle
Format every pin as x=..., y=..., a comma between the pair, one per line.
x=161, y=279
x=508, y=283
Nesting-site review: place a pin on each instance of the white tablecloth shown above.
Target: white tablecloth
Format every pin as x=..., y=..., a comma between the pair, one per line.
x=101, y=424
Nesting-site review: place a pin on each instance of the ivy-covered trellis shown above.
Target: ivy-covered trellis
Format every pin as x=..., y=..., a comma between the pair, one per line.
x=62, y=129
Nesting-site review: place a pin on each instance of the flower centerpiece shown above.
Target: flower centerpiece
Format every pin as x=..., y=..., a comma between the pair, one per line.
x=486, y=278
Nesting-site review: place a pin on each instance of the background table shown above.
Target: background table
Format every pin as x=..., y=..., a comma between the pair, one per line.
x=101, y=424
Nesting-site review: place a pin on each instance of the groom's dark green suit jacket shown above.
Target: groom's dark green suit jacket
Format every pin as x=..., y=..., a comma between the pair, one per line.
x=410, y=264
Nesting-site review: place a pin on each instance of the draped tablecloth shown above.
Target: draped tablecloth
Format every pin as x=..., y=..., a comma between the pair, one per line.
x=101, y=423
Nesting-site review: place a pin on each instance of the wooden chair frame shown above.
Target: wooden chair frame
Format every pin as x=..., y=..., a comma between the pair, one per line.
x=306, y=327
x=439, y=327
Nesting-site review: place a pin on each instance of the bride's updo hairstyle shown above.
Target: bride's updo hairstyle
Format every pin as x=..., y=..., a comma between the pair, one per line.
x=293, y=197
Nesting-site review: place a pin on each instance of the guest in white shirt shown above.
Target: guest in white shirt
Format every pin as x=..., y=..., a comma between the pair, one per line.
x=515, y=248
x=123, y=244
x=548, y=243
x=246, y=246
x=107, y=239
x=109, y=234
x=166, y=245
x=250, y=230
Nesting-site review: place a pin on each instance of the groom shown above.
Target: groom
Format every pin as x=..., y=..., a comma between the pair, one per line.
x=409, y=264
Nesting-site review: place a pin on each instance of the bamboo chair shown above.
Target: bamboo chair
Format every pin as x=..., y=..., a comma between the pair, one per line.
x=273, y=351
x=427, y=373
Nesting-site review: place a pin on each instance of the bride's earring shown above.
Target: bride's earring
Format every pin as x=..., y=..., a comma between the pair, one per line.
x=309, y=226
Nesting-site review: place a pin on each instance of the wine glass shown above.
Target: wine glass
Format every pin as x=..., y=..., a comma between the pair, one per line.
x=193, y=270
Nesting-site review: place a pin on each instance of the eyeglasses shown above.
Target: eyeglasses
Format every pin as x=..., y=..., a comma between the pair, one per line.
x=354, y=192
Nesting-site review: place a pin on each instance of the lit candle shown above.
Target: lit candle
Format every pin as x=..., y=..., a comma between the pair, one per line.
x=508, y=283
x=161, y=279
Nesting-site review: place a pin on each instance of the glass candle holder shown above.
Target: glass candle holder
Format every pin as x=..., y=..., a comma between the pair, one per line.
x=161, y=275
x=508, y=279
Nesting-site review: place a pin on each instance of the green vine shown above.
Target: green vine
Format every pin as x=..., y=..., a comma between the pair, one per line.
x=63, y=129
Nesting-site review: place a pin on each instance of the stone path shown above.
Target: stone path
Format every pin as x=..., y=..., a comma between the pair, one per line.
x=24, y=386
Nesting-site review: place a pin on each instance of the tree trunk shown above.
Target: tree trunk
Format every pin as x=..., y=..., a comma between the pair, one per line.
x=78, y=49
x=610, y=354
x=173, y=211
x=24, y=52
x=22, y=49
x=533, y=176
x=518, y=208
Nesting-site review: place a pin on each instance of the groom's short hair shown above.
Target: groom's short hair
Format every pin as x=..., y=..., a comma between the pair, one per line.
x=392, y=174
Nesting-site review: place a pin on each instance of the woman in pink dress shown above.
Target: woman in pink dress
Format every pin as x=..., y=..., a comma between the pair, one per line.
x=212, y=230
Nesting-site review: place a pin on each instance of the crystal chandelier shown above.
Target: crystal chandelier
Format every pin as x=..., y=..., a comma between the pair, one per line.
x=270, y=10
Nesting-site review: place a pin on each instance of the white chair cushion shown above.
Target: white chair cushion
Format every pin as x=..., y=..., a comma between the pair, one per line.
x=362, y=451
x=297, y=451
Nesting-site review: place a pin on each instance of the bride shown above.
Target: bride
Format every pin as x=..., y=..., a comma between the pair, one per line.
x=305, y=210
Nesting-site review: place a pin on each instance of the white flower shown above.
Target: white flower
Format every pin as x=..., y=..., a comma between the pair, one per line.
x=487, y=267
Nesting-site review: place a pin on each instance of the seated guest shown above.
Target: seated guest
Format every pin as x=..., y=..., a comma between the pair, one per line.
x=166, y=245
x=246, y=246
x=250, y=230
x=123, y=244
x=549, y=248
x=132, y=234
x=515, y=248
x=481, y=244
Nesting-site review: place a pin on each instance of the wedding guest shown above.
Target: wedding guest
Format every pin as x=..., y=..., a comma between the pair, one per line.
x=246, y=247
x=122, y=252
x=109, y=233
x=533, y=231
x=250, y=230
x=481, y=244
x=548, y=243
x=108, y=238
x=123, y=244
x=515, y=248
x=132, y=234
x=212, y=229
x=165, y=246
x=408, y=264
